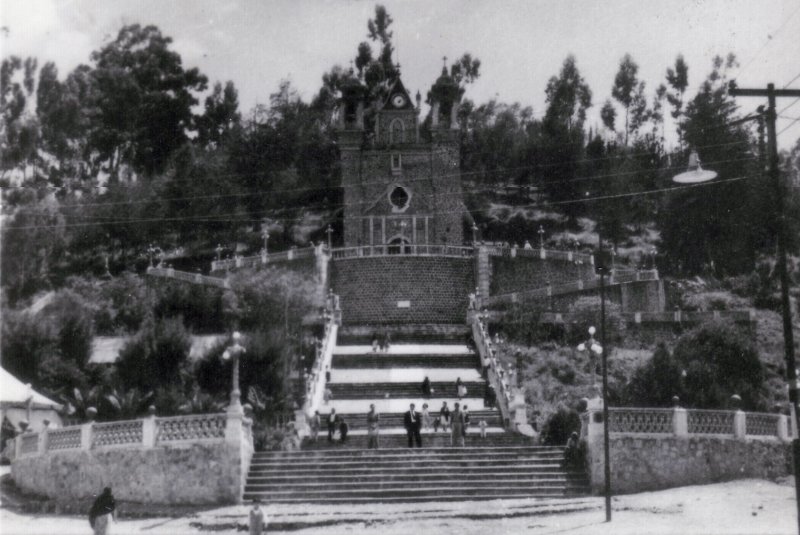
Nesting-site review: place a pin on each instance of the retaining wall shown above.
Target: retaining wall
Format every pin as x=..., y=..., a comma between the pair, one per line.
x=403, y=289
x=651, y=463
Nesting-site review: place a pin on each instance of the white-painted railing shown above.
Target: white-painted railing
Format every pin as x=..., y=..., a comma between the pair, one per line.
x=571, y=287
x=486, y=352
x=145, y=432
x=315, y=385
x=682, y=422
x=367, y=251
x=262, y=259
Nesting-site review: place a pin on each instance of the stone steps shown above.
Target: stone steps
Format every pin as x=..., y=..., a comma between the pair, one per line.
x=410, y=390
x=383, y=360
x=478, y=473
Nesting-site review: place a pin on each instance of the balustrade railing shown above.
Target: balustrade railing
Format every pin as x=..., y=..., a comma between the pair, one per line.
x=624, y=420
x=117, y=433
x=68, y=438
x=195, y=427
x=762, y=424
x=402, y=250
x=708, y=422
x=486, y=352
x=146, y=432
x=315, y=385
x=261, y=259
x=185, y=276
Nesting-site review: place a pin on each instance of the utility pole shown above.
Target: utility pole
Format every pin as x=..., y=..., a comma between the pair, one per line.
x=788, y=337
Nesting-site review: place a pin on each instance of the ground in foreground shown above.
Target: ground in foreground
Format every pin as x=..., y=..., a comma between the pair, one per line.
x=739, y=507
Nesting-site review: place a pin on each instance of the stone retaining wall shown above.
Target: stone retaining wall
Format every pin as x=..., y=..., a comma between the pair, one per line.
x=195, y=474
x=403, y=289
x=658, y=462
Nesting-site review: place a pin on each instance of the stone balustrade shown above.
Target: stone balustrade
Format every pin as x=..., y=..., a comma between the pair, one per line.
x=367, y=251
x=315, y=386
x=682, y=422
x=262, y=259
x=488, y=358
x=146, y=432
x=196, y=459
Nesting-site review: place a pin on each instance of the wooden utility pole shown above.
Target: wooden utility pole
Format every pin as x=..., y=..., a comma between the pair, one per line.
x=788, y=338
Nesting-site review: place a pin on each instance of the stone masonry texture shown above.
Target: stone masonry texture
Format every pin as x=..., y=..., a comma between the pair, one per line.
x=435, y=289
x=651, y=463
x=195, y=474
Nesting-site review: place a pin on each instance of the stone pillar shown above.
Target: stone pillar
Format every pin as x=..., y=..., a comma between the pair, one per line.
x=44, y=437
x=483, y=270
x=149, y=428
x=86, y=436
x=233, y=426
x=783, y=428
x=792, y=421
x=435, y=115
x=739, y=426
x=594, y=408
x=680, y=422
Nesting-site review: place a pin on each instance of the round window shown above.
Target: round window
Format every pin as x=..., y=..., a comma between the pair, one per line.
x=399, y=198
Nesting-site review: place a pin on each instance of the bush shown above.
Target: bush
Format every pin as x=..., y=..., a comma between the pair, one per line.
x=155, y=357
x=585, y=312
x=559, y=426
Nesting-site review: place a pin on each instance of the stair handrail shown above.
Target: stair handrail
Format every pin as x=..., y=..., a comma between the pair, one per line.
x=487, y=355
x=315, y=389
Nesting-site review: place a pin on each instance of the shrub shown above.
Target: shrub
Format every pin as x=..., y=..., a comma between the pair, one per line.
x=558, y=427
x=585, y=312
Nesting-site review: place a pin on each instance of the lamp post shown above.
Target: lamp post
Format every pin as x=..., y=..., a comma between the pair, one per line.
x=219, y=250
x=788, y=337
x=595, y=348
x=233, y=352
x=601, y=268
x=329, y=232
x=474, y=234
x=540, y=232
x=265, y=235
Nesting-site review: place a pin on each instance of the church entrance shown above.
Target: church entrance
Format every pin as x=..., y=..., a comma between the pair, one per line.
x=399, y=245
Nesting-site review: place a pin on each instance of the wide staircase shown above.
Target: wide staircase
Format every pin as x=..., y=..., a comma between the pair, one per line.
x=501, y=464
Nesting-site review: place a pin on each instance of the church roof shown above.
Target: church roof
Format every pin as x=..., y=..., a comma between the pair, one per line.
x=395, y=88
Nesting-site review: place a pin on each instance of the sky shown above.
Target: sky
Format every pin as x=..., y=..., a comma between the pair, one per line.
x=521, y=44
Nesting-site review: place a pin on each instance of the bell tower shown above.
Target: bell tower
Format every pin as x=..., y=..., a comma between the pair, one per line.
x=401, y=189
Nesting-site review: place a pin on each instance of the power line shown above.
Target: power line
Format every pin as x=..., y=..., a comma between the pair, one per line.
x=770, y=39
x=525, y=206
x=507, y=173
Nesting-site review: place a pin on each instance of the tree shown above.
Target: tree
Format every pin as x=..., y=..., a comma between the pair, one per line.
x=720, y=360
x=221, y=116
x=155, y=357
x=629, y=92
x=19, y=131
x=568, y=98
x=678, y=81
x=144, y=100
x=655, y=382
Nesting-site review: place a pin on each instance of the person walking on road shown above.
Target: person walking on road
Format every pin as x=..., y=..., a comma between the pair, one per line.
x=373, y=422
x=103, y=511
x=413, y=423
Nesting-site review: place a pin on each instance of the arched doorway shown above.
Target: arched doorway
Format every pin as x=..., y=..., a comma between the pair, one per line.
x=398, y=245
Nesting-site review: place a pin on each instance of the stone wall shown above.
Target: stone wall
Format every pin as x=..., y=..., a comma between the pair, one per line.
x=524, y=273
x=403, y=289
x=642, y=463
x=177, y=474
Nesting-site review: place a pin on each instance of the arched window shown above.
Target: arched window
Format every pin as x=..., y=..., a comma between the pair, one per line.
x=396, y=131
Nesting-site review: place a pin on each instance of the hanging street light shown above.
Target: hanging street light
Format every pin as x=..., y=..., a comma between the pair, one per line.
x=695, y=174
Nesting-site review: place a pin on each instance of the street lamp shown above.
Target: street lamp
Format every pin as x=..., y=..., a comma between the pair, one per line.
x=474, y=234
x=219, y=251
x=601, y=267
x=540, y=232
x=592, y=346
x=233, y=352
x=329, y=232
x=265, y=235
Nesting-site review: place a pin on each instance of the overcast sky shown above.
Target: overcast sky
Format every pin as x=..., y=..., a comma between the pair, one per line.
x=520, y=44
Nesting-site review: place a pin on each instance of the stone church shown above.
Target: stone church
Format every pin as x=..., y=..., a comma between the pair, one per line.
x=402, y=186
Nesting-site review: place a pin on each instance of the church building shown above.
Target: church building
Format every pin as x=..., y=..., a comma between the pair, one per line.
x=402, y=187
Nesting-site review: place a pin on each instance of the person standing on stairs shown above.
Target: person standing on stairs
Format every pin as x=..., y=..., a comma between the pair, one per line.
x=332, y=420
x=343, y=429
x=257, y=518
x=458, y=427
x=426, y=417
x=412, y=423
x=426, y=388
x=315, y=424
x=373, y=422
x=444, y=416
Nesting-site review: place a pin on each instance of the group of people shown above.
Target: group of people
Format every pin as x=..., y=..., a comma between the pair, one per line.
x=381, y=342
x=457, y=421
x=428, y=391
x=334, y=422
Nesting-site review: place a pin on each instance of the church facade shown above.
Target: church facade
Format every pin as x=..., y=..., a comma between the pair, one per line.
x=402, y=187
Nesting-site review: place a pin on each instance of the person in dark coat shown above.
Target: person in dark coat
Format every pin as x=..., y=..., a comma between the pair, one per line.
x=426, y=388
x=103, y=511
x=413, y=423
x=343, y=429
x=332, y=420
x=572, y=457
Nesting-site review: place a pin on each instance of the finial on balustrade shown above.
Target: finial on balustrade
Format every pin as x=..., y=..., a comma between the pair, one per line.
x=736, y=401
x=91, y=414
x=151, y=410
x=676, y=401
